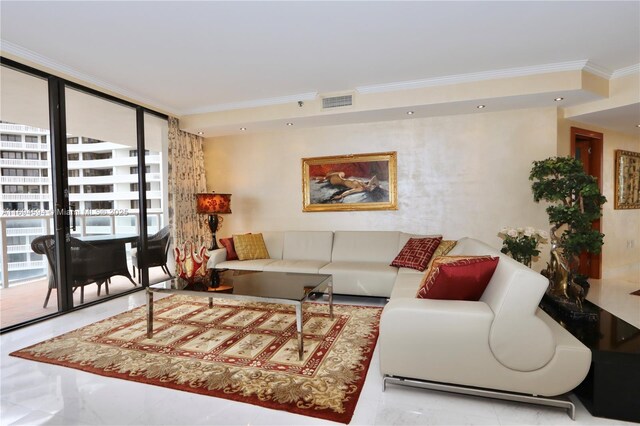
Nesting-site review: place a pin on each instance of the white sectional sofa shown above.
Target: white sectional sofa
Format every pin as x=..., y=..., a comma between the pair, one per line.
x=502, y=342
x=358, y=260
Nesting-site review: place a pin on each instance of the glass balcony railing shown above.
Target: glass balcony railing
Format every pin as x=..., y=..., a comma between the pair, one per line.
x=19, y=263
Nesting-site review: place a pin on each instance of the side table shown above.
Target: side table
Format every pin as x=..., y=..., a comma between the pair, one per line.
x=612, y=386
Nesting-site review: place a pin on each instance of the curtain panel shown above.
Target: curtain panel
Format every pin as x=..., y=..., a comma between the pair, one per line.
x=186, y=179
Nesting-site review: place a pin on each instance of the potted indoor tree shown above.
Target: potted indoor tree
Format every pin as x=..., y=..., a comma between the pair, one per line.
x=575, y=202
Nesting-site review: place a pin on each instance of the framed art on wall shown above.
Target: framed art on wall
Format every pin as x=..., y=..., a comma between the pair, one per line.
x=350, y=182
x=627, y=180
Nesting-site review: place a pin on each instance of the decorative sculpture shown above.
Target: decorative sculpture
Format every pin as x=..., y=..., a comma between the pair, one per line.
x=558, y=273
x=191, y=265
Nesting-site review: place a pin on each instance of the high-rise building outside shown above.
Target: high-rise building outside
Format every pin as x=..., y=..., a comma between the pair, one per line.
x=103, y=192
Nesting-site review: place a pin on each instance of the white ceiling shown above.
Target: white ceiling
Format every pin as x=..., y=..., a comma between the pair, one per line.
x=192, y=57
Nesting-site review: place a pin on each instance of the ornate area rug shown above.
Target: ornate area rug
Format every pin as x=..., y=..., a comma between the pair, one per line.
x=236, y=350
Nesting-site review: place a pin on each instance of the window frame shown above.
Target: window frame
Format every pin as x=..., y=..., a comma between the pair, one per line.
x=59, y=175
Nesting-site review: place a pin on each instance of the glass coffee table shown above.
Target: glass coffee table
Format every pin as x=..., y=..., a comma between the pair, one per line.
x=268, y=287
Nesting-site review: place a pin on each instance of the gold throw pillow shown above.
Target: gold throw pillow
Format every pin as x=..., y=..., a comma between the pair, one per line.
x=445, y=247
x=250, y=246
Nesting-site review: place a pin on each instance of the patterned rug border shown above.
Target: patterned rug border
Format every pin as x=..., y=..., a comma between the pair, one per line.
x=326, y=414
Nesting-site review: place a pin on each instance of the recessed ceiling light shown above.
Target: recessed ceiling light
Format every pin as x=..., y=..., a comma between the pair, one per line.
x=201, y=133
x=243, y=128
x=289, y=124
x=481, y=106
x=410, y=112
x=558, y=99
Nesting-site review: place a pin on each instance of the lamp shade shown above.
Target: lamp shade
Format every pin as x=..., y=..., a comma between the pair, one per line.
x=213, y=203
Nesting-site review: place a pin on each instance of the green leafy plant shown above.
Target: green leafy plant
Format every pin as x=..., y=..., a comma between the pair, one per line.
x=576, y=202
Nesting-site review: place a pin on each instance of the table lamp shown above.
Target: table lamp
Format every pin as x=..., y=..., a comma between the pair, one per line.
x=214, y=204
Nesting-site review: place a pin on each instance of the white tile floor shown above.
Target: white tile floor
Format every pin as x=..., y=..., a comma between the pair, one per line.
x=33, y=393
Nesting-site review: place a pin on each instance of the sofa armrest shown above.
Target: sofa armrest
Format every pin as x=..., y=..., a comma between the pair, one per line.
x=414, y=331
x=426, y=316
x=216, y=256
x=436, y=306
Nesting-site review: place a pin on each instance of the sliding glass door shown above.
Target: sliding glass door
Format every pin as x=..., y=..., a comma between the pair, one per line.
x=80, y=193
x=102, y=167
x=156, y=134
x=28, y=287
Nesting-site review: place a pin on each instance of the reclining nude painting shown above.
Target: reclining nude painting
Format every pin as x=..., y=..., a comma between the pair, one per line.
x=350, y=182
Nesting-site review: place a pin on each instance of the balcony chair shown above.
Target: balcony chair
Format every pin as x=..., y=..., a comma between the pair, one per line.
x=89, y=264
x=157, y=252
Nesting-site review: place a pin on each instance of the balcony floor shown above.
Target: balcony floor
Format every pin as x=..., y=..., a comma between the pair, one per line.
x=23, y=302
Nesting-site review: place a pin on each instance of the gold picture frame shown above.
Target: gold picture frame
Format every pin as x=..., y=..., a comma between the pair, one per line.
x=350, y=182
x=627, y=180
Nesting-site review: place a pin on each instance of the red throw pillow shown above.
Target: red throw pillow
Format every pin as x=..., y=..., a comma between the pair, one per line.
x=456, y=278
x=417, y=253
x=231, y=249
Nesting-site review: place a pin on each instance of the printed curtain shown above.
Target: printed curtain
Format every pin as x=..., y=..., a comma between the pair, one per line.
x=186, y=179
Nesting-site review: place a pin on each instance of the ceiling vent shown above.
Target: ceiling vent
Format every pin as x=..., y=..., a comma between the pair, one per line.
x=337, y=101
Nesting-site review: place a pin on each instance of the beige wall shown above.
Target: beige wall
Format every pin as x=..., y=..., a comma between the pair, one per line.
x=622, y=91
x=464, y=175
x=619, y=226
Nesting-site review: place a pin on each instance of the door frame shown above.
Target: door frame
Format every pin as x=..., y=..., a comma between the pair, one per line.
x=596, y=140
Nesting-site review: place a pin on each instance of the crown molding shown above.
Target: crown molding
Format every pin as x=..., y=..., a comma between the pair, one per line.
x=632, y=69
x=39, y=59
x=253, y=103
x=473, y=77
x=598, y=70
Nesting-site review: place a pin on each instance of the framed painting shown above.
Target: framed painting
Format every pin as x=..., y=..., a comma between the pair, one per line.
x=350, y=182
x=627, y=180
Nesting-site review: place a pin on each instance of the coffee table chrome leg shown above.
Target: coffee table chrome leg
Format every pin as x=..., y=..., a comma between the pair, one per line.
x=211, y=302
x=149, y=313
x=299, y=328
x=331, y=298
